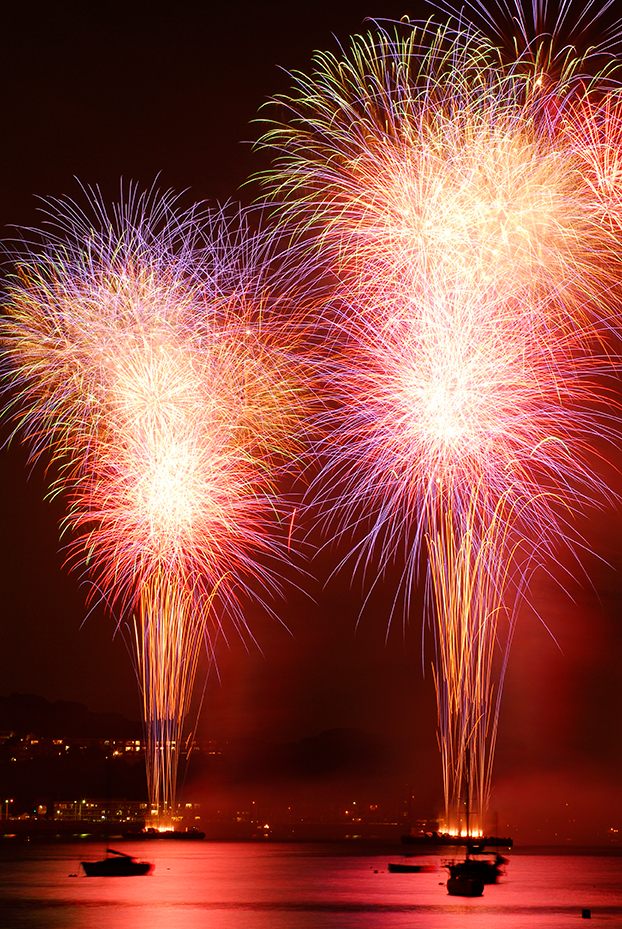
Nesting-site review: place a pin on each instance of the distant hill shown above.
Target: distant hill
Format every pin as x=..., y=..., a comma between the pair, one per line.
x=29, y=713
x=332, y=753
x=336, y=755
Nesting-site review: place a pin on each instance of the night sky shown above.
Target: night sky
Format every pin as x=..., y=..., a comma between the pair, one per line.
x=100, y=92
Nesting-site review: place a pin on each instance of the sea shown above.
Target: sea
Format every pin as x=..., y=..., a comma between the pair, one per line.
x=236, y=885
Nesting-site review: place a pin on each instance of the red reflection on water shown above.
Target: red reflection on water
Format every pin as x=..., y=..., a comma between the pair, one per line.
x=251, y=886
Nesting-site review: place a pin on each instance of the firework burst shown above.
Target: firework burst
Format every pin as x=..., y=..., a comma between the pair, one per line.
x=140, y=349
x=460, y=202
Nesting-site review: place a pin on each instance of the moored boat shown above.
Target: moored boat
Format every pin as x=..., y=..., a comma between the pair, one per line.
x=409, y=867
x=116, y=864
x=484, y=869
x=396, y=868
x=463, y=886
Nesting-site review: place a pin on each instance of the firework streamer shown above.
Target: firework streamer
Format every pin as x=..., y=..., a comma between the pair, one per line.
x=142, y=360
x=457, y=201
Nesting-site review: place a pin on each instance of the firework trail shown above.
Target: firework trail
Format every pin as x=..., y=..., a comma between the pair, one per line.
x=459, y=202
x=142, y=360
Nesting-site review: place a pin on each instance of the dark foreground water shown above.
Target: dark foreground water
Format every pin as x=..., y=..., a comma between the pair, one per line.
x=279, y=886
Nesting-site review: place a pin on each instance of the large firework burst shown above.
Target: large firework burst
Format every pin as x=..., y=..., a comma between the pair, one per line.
x=469, y=209
x=141, y=351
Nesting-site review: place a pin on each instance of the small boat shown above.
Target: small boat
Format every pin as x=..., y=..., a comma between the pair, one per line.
x=397, y=868
x=484, y=869
x=116, y=864
x=405, y=867
x=464, y=886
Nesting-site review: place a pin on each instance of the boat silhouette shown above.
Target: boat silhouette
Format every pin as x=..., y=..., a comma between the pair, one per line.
x=116, y=864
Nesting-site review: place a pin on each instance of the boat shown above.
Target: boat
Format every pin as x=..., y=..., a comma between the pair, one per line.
x=116, y=864
x=485, y=870
x=432, y=839
x=188, y=835
x=463, y=886
x=404, y=867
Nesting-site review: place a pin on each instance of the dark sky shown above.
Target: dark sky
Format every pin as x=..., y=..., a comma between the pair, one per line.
x=110, y=90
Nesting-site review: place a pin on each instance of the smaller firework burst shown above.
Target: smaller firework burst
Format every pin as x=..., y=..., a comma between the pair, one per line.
x=144, y=360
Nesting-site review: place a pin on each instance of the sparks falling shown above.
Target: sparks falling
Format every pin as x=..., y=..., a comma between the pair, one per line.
x=142, y=360
x=475, y=246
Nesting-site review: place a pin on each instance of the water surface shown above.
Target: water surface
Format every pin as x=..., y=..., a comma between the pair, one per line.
x=215, y=885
